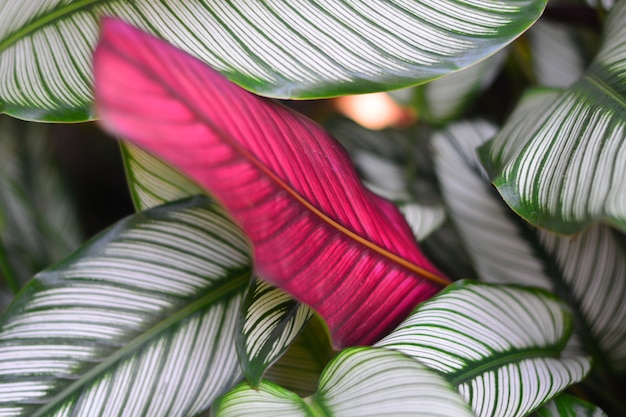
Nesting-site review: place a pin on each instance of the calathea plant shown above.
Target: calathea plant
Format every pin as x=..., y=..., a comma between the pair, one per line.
x=259, y=275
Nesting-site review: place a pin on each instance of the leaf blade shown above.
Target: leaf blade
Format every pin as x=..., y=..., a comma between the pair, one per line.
x=103, y=326
x=488, y=339
x=587, y=271
x=280, y=49
x=251, y=153
x=560, y=160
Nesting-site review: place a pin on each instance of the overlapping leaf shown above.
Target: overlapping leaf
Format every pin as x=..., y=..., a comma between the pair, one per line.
x=557, y=53
x=269, y=319
x=567, y=406
x=387, y=161
x=359, y=382
x=270, y=322
x=281, y=49
x=300, y=368
x=444, y=99
x=502, y=347
x=148, y=307
x=317, y=233
x=560, y=161
x=589, y=271
x=38, y=222
x=151, y=181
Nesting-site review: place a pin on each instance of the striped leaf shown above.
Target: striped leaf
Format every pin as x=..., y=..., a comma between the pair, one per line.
x=558, y=58
x=151, y=181
x=269, y=319
x=358, y=382
x=38, y=222
x=268, y=325
x=588, y=271
x=444, y=99
x=281, y=49
x=141, y=321
x=316, y=231
x=567, y=406
x=300, y=368
x=500, y=346
x=560, y=161
x=387, y=161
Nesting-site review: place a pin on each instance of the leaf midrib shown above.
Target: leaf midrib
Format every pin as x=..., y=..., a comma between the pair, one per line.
x=232, y=285
x=44, y=20
x=606, y=89
x=280, y=183
x=494, y=362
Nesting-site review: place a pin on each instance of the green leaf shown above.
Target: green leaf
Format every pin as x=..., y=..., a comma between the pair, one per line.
x=268, y=325
x=587, y=271
x=280, y=49
x=446, y=98
x=38, y=221
x=300, y=368
x=358, y=382
x=270, y=319
x=557, y=53
x=567, y=406
x=140, y=321
x=560, y=161
x=500, y=346
x=151, y=181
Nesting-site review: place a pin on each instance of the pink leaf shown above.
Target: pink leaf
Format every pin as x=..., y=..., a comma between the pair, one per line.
x=316, y=231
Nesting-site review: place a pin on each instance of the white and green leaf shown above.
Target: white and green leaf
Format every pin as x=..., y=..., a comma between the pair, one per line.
x=300, y=368
x=140, y=321
x=269, y=323
x=557, y=55
x=502, y=347
x=270, y=319
x=446, y=98
x=281, y=49
x=38, y=222
x=151, y=181
x=358, y=382
x=568, y=406
x=588, y=271
x=560, y=160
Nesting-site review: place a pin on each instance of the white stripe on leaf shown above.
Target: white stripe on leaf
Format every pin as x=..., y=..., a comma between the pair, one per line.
x=588, y=270
x=278, y=48
x=560, y=161
x=480, y=338
x=358, y=382
x=104, y=330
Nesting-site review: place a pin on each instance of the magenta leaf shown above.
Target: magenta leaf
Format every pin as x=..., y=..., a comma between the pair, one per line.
x=316, y=231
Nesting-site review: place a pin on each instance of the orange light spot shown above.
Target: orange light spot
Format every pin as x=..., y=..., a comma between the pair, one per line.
x=375, y=111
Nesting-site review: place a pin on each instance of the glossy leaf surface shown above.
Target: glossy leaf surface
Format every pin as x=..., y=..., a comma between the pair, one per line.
x=359, y=382
x=500, y=346
x=105, y=330
x=560, y=161
x=589, y=271
x=282, y=49
x=317, y=232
